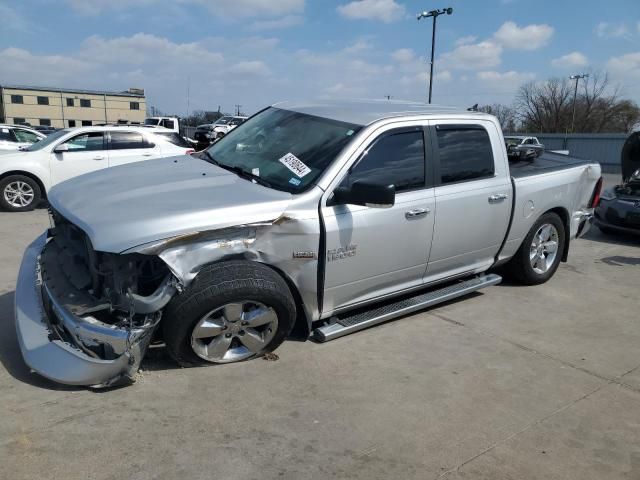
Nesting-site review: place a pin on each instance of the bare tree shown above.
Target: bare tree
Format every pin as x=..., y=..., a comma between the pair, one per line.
x=505, y=114
x=546, y=107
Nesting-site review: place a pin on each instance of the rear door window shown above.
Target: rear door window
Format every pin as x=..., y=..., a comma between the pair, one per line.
x=127, y=141
x=464, y=153
x=25, y=136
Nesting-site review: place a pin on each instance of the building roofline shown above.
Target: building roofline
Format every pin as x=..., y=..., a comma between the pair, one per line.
x=72, y=90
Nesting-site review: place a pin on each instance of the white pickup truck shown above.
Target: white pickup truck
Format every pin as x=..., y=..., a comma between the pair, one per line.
x=308, y=220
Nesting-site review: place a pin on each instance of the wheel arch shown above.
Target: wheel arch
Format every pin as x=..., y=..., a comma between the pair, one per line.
x=34, y=177
x=302, y=325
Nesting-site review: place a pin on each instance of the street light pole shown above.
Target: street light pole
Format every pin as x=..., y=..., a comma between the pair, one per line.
x=434, y=14
x=575, y=94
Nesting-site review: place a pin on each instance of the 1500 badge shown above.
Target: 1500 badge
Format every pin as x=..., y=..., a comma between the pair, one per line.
x=341, y=253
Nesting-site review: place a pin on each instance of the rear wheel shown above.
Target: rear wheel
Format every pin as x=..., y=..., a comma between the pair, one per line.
x=232, y=311
x=19, y=193
x=539, y=256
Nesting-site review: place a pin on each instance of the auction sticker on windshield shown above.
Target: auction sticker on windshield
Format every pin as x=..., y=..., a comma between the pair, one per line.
x=294, y=164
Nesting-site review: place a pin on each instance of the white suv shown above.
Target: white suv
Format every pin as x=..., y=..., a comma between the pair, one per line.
x=27, y=176
x=15, y=137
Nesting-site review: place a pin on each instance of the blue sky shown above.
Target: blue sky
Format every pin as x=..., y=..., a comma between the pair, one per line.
x=256, y=52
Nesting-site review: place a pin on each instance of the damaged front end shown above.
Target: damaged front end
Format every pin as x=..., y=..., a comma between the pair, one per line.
x=95, y=312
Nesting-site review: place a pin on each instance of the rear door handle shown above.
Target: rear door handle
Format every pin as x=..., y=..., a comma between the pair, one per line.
x=416, y=213
x=498, y=197
x=99, y=157
x=147, y=154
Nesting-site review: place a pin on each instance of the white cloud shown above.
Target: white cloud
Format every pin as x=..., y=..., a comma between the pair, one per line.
x=504, y=82
x=573, y=59
x=530, y=37
x=383, y=10
x=232, y=8
x=14, y=21
x=255, y=68
x=359, y=46
x=475, y=56
x=403, y=55
x=466, y=40
x=626, y=67
x=284, y=22
x=612, y=30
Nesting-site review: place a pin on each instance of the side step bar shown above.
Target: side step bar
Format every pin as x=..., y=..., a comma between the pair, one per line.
x=342, y=326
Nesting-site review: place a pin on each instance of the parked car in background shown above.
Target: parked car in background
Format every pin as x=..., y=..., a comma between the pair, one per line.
x=171, y=123
x=45, y=129
x=299, y=223
x=619, y=207
x=225, y=124
x=523, y=148
x=15, y=137
x=27, y=176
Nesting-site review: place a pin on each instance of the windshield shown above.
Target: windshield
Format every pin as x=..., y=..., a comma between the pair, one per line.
x=152, y=121
x=222, y=121
x=512, y=140
x=46, y=141
x=282, y=149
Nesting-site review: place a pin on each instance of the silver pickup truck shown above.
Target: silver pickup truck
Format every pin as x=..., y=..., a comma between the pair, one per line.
x=308, y=221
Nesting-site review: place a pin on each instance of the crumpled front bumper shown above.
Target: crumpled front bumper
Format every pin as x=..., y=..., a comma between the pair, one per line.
x=67, y=360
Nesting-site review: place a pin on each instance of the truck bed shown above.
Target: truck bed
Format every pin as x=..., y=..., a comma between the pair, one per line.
x=547, y=162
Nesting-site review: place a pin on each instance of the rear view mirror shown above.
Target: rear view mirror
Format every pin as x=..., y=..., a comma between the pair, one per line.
x=371, y=195
x=61, y=148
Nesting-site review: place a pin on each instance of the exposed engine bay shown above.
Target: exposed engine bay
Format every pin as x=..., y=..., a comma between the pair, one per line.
x=118, y=297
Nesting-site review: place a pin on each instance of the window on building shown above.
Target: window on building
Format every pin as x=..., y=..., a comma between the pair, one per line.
x=45, y=122
x=17, y=99
x=127, y=140
x=397, y=158
x=18, y=121
x=70, y=102
x=72, y=123
x=43, y=100
x=85, y=103
x=86, y=123
x=134, y=105
x=86, y=142
x=465, y=153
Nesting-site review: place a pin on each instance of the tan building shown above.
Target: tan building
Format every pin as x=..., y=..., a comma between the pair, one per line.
x=61, y=108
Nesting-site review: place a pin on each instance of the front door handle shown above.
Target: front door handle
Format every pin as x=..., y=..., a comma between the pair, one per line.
x=99, y=157
x=498, y=197
x=147, y=154
x=416, y=213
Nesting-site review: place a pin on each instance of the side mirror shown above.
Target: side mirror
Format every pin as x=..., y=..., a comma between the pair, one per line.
x=371, y=195
x=61, y=148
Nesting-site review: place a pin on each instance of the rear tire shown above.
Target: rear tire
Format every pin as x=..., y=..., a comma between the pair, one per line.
x=232, y=311
x=19, y=193
x=539, y=256
x=606, y=230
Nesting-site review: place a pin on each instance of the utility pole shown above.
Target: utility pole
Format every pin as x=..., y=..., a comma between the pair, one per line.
x=238, y=109
x=188, y=91
x=388, y=97
x=575, y=94
x=434, y=14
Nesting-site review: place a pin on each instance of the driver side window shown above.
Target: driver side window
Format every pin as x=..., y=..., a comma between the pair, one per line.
x=86, y=142
x=394, y=159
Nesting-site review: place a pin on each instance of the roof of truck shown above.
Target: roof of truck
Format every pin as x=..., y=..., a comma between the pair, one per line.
x=365, y=112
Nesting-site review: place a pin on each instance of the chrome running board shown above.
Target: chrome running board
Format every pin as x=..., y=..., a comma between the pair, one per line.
x=341, y=326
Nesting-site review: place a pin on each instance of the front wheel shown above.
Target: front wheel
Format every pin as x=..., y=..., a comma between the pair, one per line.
x=539, y=256
x=232, y=311
x=19, y=193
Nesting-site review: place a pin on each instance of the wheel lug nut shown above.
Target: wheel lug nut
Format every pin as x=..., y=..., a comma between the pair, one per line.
x=224, y=327
x=228, y=335
x=245, y=323
x=241, y=332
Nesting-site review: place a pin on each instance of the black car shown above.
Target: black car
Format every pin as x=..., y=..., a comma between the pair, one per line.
x=619, y=208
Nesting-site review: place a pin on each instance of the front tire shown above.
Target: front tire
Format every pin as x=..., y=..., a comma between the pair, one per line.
x=539, y=256
x=232, y=311
x=19, y=193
